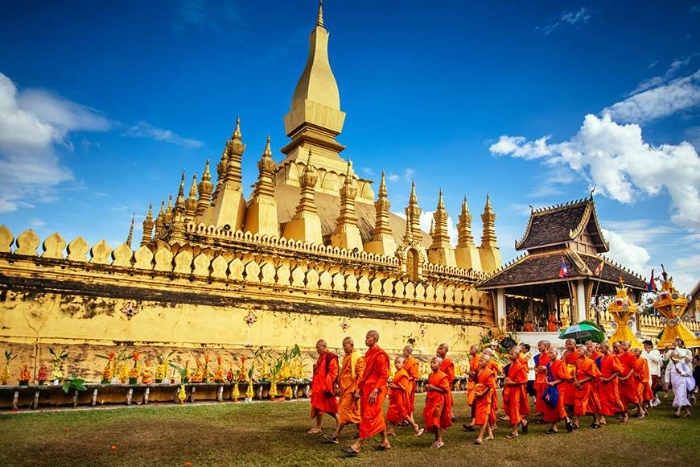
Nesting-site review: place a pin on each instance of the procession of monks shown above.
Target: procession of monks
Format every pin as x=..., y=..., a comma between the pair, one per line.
x=583, y=380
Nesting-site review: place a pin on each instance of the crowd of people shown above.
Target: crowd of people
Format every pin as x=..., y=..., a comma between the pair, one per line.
x=599, y=381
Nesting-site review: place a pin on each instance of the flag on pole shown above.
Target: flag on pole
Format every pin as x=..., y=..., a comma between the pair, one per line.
x=651, y=286
x=563, y=272
x=599, y=270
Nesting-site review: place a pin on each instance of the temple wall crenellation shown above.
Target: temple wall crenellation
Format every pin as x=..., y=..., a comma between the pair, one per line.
x=55, y=292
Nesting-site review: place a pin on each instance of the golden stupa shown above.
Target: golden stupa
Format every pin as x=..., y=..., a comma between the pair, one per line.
x=672, y=305
x=624, y=313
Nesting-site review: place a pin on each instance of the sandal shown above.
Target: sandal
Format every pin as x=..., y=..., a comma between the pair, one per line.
x=511, y=436
x=420, y=432
x=526, y=427
x=350, y=451
x=552, y=432
x=569, y=425
x=437, y=445
x=595, y=425
x=315, y=431
x=331, y=439
x=381, y=447
x=479, y=441
x=468, y=428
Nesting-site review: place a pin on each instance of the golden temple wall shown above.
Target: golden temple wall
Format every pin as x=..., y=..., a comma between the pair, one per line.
x=261, y=292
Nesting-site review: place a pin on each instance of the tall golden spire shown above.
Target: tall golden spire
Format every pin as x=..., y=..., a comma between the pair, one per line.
x=381, y=206
x=315, y=119
x=346, y=233
x=488, y=217
x=464, y=227
x=440, y=235
x=261, y=215
x=413, y=212
x=319, y=21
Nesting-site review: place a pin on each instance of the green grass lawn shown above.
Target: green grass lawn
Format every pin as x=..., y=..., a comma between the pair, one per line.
x=274, y=433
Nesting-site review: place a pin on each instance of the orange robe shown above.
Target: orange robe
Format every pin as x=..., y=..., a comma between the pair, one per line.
x=541, y=360
x=570, y=359
x=628, y=387
x=399, y=407
x=583, y=404
x=413, y=369
x=375, y=375
x=474, y=364
x=438, y=405
x=448, y=367
x=323, y=397
x=481, y=410
x=642, y=376
x=348, y=406
x=515, y=397
x=608, y=392
x=559, y=371
x=493, y=366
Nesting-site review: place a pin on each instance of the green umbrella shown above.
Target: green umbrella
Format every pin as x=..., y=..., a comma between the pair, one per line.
x=582, y=332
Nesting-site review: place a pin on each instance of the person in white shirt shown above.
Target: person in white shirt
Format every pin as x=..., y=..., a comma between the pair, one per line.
x=685, y=354
x=679, y=376
x=653, y=358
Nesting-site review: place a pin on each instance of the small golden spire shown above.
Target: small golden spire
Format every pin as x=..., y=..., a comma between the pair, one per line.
x=193, y=187
x=441, y=204
x=382, y=186
x=131, y=229
x=413, y=199
x=319, y=21
x=237, y=130
x=267, y=152
x=206, y=176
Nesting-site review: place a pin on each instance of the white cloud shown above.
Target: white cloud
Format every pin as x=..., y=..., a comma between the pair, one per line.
x=685, y=273
x=662, y=101
x=145, y=130
x=393, y=178
x=676, y=65
x=616, y=160
x=62, y=113
x=368, y=171
x=31, y=123
x=633, y=256
x=409, y=174
x=571, y=18
x=213, y=15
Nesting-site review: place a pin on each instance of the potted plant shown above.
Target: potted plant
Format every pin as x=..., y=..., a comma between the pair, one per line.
x=24, y=376
x=134, y=372
x=41, y=377
x=5, y=375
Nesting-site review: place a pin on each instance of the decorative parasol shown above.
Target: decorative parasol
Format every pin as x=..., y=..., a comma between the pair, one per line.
x=582, y=332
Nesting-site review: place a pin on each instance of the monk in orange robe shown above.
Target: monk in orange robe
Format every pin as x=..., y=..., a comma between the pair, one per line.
x=607, y=387
x=323, y=399
x=412, y=367
x=642, y=377
x=541, y=361
x=372, y=390
x=448, y=367
x=438, y=404
x=399, y=405
x=514, y=393
x=481, y=410
x=594, y=354
x=570, y=358
x=584, y=382
x=556, y=373
x=628, y=385
x=495, y=370
x=351, y=370
x=474, y=367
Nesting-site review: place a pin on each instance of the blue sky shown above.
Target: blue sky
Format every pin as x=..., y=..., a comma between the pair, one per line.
x=103, y=104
